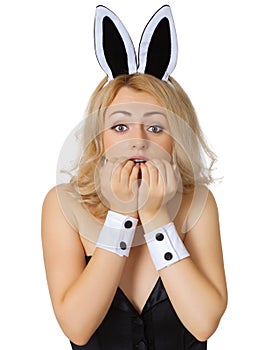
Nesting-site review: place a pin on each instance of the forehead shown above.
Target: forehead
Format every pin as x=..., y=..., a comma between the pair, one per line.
x=135, y=110
x=134, y=105
x=128, y=95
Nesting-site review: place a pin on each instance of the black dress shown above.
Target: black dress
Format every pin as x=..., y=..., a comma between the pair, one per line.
x=156, y=328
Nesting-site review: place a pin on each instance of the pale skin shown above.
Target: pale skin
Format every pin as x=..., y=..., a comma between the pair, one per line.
x=81, y=295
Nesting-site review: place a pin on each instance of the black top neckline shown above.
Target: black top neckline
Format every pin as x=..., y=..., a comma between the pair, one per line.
x=157, y=327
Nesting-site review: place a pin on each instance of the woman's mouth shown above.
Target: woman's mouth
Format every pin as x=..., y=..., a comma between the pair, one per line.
x=139, y=160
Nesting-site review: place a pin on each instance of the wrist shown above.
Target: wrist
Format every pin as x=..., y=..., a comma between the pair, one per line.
x=165, y=246
x=151, y=221
x=117, y=233
x=129, y=213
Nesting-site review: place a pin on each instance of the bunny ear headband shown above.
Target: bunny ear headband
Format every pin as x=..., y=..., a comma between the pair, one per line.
x=116, y=53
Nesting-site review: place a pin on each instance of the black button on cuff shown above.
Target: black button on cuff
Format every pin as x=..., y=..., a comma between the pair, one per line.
x=128, y=224
x=168, y=256
x=159, y=236
x=123, y=245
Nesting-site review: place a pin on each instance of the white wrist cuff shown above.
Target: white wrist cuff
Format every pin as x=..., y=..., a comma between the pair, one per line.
x=165, y=246
x=117, y=233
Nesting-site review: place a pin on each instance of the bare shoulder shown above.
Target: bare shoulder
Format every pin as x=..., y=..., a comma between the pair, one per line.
x=200, y=224
x=197, y=204
x=57, y=228
x=203, y=210
x=203, y=238
x=62, y=249
x=50, y=198
x=54, y=195
x=50, y=207
x=60, y=201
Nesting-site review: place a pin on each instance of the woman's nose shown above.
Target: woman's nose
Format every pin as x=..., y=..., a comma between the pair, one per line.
x=139, y=140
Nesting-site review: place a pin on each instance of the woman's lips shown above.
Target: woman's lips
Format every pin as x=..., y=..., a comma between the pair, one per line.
x=138, y=159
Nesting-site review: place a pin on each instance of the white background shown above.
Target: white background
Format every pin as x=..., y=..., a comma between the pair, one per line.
x=48, y=71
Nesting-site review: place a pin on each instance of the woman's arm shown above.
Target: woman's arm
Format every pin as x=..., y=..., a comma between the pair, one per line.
x=196, y=285
x=81, y=295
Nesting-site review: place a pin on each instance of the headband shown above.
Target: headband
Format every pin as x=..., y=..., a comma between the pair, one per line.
x=115, y=51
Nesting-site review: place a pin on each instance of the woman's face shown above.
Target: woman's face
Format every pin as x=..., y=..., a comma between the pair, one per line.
x=136, y=127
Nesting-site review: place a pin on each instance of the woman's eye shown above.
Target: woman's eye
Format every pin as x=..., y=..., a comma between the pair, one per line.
x=156, y=129
x=119, y=127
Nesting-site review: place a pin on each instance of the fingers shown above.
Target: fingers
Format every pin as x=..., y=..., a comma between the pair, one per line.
x=153, y=172
x=121, y=170
x=145, y=174
x=128, y=173
x=112, y=168
x=172, y=175
x=161, y=170
x=134, y=173
x=159, y=173
x=119, y=185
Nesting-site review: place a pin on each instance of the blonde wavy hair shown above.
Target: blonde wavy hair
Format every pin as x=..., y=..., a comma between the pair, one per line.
x=190, y=148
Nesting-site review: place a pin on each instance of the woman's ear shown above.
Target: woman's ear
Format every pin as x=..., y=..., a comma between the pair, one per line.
x=113, y=46
x=158, y=46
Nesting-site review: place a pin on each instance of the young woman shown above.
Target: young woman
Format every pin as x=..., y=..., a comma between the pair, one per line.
x=131, y=245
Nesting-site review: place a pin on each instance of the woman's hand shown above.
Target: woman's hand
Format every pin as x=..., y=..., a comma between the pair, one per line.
x=119, y=186
x=159, y=184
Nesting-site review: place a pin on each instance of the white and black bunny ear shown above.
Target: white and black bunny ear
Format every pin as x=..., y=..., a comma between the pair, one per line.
x=113, y=45
x=158, y=46
x=115, y=50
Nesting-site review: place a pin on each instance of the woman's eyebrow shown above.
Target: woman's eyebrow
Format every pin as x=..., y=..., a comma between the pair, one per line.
x=151, y=114
x=147, y=114
x=120, y=112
